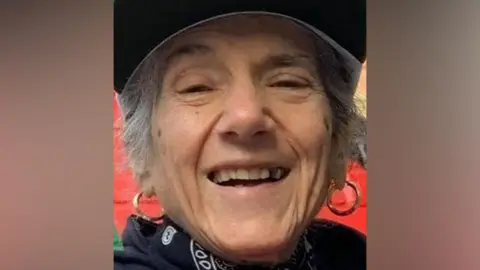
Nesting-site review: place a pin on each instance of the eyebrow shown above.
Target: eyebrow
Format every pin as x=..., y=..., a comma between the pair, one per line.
x=268, y=63
x=188, y=50
x=285, y=60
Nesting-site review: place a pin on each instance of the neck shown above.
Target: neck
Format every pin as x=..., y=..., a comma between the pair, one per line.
x=175, y=239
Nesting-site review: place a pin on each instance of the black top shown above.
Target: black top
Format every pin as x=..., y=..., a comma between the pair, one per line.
x=326, y=245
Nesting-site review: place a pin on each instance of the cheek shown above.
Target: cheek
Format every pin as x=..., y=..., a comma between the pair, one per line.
x=313, y=134
x=177, y=142
x=307, y=126
x=317, y=144
x=181, y=134
x=317, y=134
x=315, y=141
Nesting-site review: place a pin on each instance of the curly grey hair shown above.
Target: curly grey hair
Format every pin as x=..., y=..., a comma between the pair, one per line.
x=139, y=97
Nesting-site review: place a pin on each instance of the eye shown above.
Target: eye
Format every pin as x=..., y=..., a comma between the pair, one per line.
x=199, y=88
x=289, y=81
x=290, y=84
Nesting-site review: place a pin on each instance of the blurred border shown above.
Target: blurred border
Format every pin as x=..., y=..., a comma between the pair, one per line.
x=56, y=114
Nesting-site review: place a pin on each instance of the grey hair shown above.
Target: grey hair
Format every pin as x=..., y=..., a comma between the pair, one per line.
x=339, y=81
x=138, y=99
x=136, y=104
x=358, y=142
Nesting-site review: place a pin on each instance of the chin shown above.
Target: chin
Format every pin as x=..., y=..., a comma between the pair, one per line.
x=260, y=246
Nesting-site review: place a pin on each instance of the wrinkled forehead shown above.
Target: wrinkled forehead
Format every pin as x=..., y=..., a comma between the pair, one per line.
x=264, y=37
x=278, y=34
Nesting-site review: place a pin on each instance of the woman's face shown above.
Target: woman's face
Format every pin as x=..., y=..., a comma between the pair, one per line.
x=241, y=135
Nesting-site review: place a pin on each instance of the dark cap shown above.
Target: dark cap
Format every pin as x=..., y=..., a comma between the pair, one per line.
x=141, y=25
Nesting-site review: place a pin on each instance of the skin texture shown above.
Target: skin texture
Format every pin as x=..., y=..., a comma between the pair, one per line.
x=241, y=97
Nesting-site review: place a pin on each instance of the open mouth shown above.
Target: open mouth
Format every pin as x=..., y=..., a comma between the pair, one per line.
x=248, y=177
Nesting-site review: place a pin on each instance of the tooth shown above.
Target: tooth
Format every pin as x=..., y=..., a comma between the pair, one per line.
x=264, y=173
x=224, y=176
x=278, y=173
x=217, y=177
x=232, y=174
x=242, y=174
x=254, y=174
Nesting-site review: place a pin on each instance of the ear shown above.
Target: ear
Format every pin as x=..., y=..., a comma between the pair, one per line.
x=146, y=184
x=337, y=162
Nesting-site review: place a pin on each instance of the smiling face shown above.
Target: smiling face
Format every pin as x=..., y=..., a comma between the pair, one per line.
x=241, y=134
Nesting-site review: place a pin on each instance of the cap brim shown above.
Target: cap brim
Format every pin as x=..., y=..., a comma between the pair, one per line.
x=141, y=26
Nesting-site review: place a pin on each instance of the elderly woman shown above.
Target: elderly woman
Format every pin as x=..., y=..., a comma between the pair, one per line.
x=237, y=117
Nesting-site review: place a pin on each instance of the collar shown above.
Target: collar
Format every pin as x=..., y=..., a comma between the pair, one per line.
x=173, y=244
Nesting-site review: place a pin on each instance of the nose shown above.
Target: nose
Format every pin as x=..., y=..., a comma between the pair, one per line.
x=244, y=115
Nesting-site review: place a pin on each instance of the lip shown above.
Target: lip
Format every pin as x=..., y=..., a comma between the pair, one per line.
x=239, y=195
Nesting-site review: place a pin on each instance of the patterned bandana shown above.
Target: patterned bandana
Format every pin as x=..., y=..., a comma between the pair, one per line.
x=176, y=246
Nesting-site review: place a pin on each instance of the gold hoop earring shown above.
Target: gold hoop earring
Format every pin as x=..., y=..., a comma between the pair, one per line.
x=356, y=204
x=136, y=206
